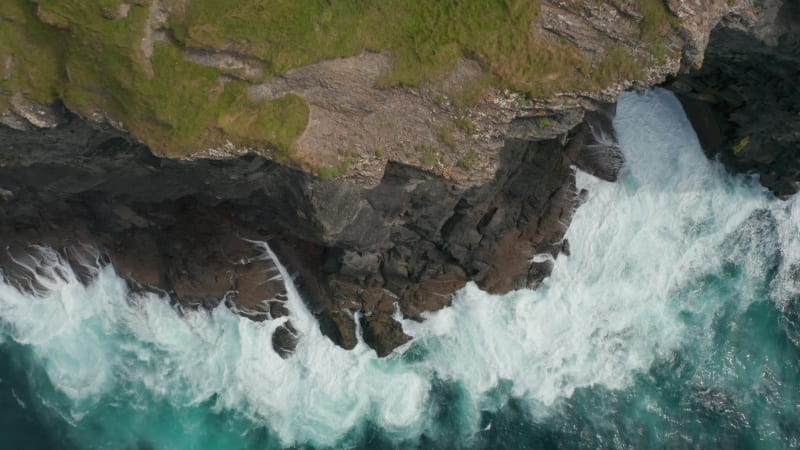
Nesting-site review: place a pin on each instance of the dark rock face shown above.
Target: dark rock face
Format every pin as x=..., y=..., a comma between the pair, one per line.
x=284, y=340
x=744, y=102
x=186, y=227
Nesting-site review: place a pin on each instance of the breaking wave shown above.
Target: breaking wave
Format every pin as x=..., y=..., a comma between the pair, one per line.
x=673, y=322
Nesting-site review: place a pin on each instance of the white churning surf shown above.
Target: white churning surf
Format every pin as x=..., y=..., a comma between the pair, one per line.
x=607, y=313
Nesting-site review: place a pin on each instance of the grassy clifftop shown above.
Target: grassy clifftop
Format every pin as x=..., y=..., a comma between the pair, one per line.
x=94, y=55
x=427, y=37
x=73, y=50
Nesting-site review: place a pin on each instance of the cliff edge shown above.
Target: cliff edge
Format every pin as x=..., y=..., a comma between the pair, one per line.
x=388, y=153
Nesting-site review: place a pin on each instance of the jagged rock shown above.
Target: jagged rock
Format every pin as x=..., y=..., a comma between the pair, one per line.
x=744, y=100
x=17, y=263
x=30, y=267
x=137, y=258
x=15, y=121
x=699, y=17
x=378, y=299
x=259, y=290
x=284, y=339
x=383, y=333
x=238, y=66
x=600, y=154
x=432, y=294
x=85, y=260
x=179, y=226
x=37, y=114
x=341, y=328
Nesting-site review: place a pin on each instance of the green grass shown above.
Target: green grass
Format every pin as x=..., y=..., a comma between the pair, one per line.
x=474, y=92
x=177, y=107
x=618, y=64
x=5, y=98
x=741, y=145
x=37, y=49
x=446, y=137
x=428, y=155
x=427, y=37
x=71, y=50
x=465, y=125
x=329, y=173
x=656, y=22
x=468, y=161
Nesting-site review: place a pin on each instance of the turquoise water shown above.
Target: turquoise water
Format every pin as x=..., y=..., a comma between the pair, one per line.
x=675, y=323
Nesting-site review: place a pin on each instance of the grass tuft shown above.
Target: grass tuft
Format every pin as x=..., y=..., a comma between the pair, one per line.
x=428, y=155
x=446, y=137
x=741, y=145
x=467, y=162
x=465, y=125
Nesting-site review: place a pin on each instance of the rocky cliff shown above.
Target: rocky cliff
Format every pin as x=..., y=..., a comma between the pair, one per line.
x=744, y=101
x=336, y=89
x=181, y=226
x=392, y=190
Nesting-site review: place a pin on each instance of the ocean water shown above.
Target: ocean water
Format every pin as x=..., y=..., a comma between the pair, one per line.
x=675, y=323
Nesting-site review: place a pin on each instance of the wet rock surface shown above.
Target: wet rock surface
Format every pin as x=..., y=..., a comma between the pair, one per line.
x=744, y=102
x=190, y=228
x=284, y=339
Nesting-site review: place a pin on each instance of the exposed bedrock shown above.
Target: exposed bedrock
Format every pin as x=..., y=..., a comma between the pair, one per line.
x=744, y=102
x=188, y=228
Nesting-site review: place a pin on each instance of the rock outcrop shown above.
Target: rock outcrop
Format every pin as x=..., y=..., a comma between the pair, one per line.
x=744, y=101
x=422, y=191
x=185, y=227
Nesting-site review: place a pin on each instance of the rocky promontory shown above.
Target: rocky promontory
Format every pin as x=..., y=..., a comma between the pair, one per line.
x=166, y=141
x=744, y=101
x=182, y=226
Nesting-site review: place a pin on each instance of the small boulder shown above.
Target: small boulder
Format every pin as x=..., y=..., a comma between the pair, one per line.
x=284, y=340
x=383, y=333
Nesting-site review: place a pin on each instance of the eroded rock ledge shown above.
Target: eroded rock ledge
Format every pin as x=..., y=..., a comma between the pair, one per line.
x=411, y=236
x=181, y=226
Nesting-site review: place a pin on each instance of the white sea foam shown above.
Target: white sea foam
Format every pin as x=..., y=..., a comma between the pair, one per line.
x=607, y=313
x=609, y=310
